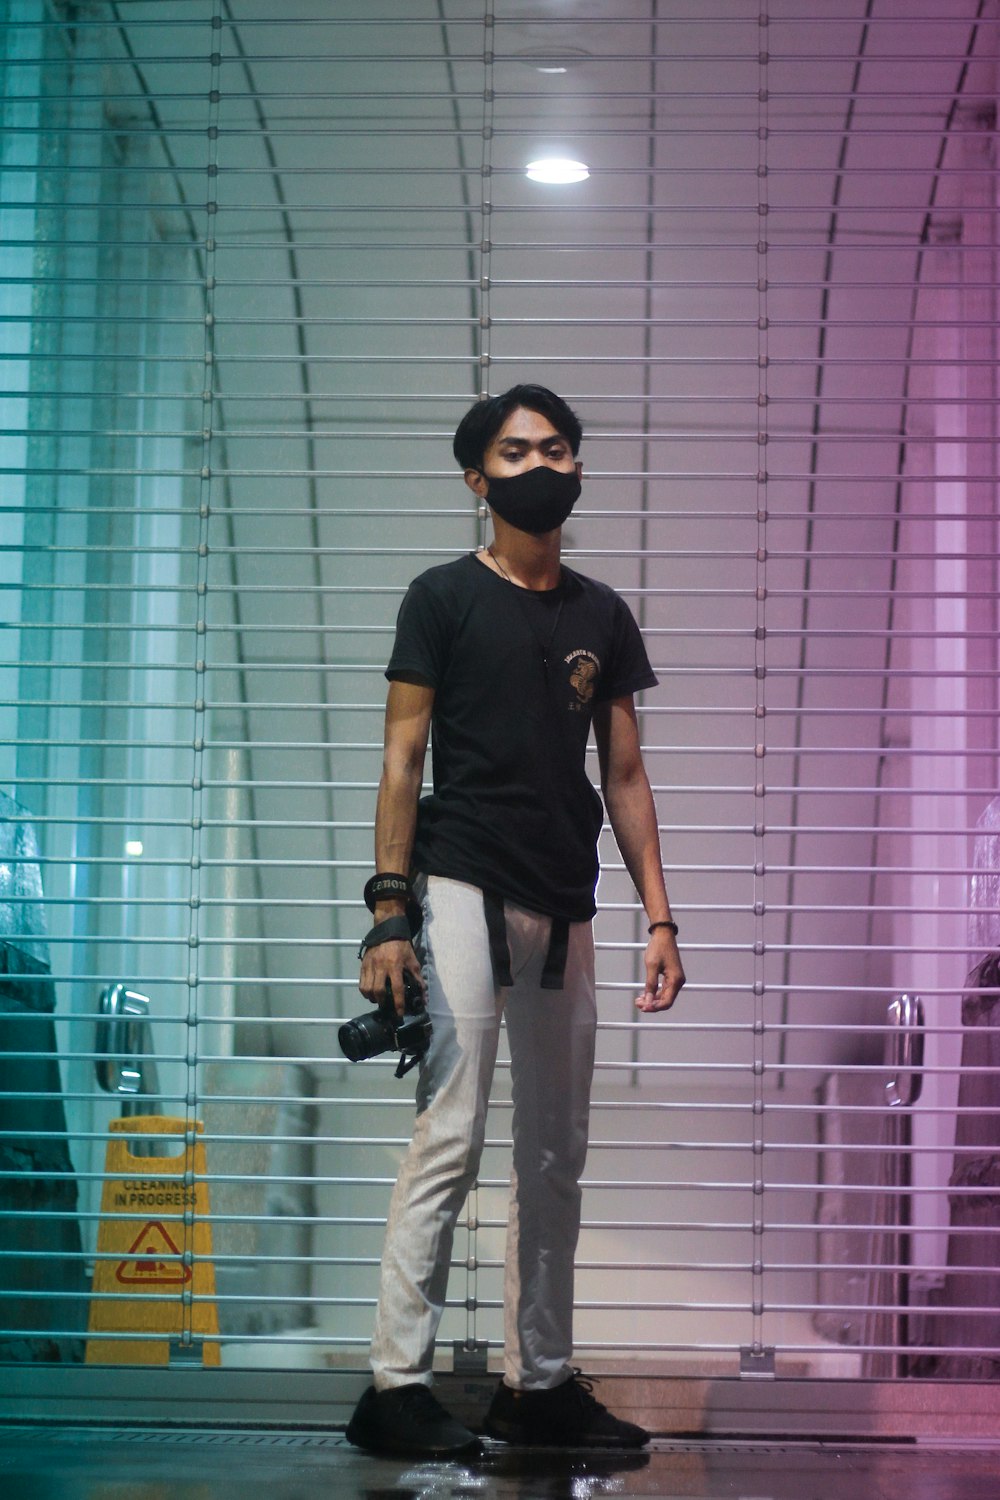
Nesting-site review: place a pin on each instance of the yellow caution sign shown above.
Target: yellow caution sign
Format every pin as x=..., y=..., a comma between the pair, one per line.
x=155, y=1274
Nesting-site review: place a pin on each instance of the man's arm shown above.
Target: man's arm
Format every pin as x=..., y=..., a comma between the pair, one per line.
x=407, y=724
x=632, y=813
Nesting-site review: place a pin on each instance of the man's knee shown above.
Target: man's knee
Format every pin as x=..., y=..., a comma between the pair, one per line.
x=448, y=1152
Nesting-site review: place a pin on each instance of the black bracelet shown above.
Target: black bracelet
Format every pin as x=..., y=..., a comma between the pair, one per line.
x=381, y=886
x=672, y=925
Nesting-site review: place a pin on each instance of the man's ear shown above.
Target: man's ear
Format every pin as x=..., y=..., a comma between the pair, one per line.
x=579, y=469
x=477, y=482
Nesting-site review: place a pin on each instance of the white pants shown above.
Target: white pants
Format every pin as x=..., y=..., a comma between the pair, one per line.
x=551, y=1036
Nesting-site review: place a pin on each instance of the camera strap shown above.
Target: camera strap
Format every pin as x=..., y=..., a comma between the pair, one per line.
x=496, y=932
x=554, y=968
x=393, y=929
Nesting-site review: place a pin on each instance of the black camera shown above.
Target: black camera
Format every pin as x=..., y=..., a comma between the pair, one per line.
x=382, y=1030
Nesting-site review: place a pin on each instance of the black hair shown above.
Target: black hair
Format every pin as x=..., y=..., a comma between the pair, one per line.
x=483, y=421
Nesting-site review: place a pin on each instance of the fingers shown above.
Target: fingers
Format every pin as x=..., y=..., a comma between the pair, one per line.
x=661, y=999
x=664, y=978
x=385, y=964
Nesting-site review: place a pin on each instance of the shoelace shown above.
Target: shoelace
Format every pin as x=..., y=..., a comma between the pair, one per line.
x=584, y=1390
x=422, y=1402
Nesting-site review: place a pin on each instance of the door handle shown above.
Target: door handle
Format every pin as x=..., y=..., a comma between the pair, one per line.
x=125, y=1064
x=905, y=1050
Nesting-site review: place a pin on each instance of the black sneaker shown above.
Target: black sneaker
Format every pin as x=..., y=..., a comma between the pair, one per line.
x=569, y=1416
x=408, y=1419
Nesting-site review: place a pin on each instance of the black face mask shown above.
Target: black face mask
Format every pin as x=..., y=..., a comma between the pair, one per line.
x=538, y=500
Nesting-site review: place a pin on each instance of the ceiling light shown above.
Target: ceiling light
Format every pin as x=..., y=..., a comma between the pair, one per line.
x=547, y=60
x=557, y=169
x=133, y=848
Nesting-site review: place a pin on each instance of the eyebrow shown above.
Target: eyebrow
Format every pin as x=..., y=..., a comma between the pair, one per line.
x=520, y=442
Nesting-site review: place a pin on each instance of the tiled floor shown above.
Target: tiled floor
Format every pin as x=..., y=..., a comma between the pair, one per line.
x=86, y=1463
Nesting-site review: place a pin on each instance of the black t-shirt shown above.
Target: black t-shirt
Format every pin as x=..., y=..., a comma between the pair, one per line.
x=516, y=675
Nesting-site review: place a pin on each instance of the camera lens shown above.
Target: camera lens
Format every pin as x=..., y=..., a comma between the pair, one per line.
x=365, y=1036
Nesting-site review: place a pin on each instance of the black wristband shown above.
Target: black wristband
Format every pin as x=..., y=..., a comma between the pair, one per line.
x=381, y=886
x=672, y=925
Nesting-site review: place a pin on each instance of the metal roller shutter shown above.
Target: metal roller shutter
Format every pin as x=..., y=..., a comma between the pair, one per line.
x=254, y=268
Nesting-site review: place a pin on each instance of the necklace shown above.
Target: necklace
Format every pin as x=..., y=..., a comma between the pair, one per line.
x=545, y=646
x=499, y=566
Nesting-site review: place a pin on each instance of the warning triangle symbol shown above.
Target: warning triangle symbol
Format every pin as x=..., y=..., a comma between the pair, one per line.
x=146, y=1266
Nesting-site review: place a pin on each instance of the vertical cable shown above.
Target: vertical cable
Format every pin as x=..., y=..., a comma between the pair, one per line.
x=482, y=336
x=200, y=627
x=483, y=330
x=645, y=454
x=760, y=710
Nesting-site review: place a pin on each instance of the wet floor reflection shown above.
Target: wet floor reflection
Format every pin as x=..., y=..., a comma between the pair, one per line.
x=542, y=1474
x=170, y=1464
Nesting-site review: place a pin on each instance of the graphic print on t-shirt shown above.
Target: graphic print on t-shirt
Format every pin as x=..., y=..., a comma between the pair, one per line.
x=584, y=671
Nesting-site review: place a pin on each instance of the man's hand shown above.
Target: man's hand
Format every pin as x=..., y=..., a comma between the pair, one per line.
x=664, y=972
x=387, y=961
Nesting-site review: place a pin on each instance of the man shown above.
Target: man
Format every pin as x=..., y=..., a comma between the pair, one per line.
x=510, y=656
